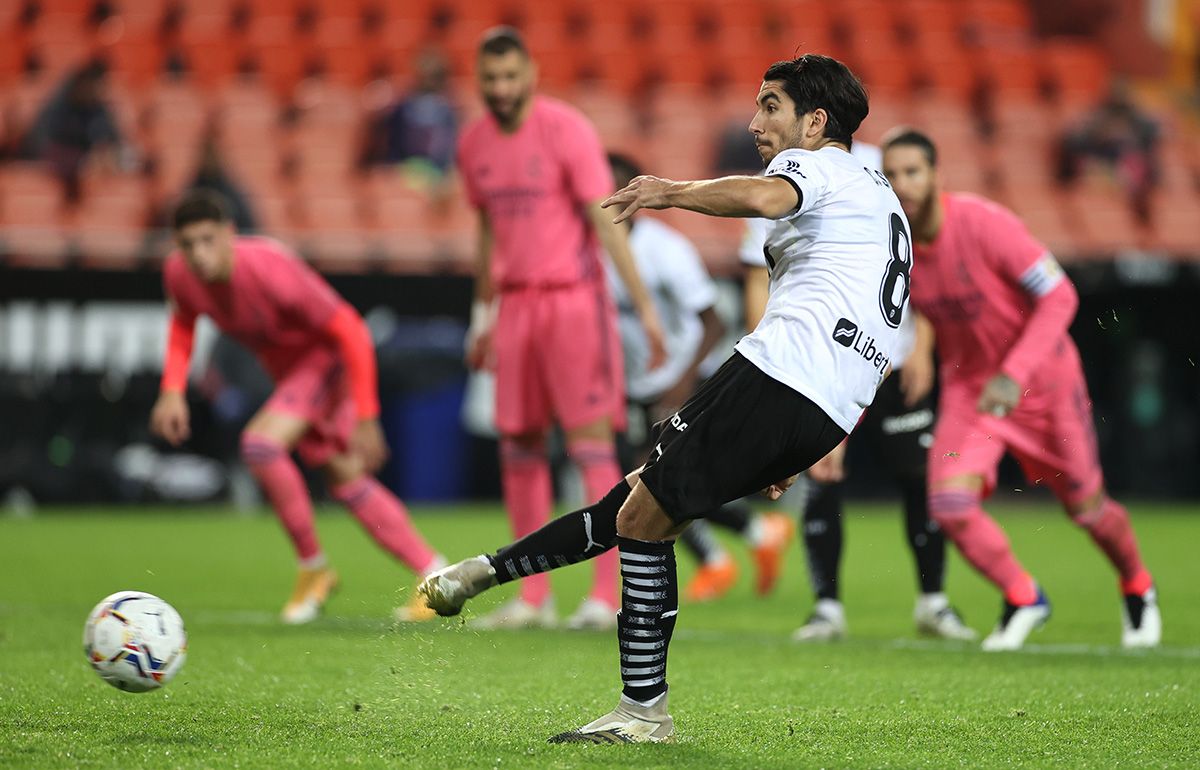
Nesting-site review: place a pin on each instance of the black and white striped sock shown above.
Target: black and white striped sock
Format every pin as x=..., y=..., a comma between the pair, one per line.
x=649, y=603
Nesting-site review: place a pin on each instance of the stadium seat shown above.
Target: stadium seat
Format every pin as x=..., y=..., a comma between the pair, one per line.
x=1077, y=72
x=1106, y=219
x=110, y=222
x=30, y=195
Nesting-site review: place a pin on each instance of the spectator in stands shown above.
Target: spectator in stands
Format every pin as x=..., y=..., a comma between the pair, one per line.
x=420, y=130
x=211, y=175
x=76, y=127
x=1120, y=139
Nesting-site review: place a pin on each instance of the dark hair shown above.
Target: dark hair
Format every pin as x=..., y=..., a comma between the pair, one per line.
x=200, y=206
x=623, y=166
x=903, y=136
x=498, y=41
x=813, y=81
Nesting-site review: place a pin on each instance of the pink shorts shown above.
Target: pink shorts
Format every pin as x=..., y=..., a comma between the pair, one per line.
x=558, y=358
x=315, y=389
x=1051, y=435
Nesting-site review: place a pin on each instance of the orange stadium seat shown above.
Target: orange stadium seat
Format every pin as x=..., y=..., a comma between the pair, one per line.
x=110, y=223
x=1078, y=72
x=1175, y=230
x=1012, y=15
x=29, y=195
x=1010, y=70
x=1106, y=220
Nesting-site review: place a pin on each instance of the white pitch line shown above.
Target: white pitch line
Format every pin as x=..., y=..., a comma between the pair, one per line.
x=264, y=618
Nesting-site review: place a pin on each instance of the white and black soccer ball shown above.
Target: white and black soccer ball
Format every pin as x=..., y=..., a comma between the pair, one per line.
x=135, y=641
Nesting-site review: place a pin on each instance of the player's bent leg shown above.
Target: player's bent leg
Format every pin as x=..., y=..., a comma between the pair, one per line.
x=933, y=614
x=593, y=450
x=266, y=446
x=954, y=505
x=822, y=525
x=1107, y=522
x=529, y=500
x=569, y=539
x=649, y=603
x=386, y=520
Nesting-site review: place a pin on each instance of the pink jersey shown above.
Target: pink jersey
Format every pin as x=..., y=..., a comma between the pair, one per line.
x=274, y=303
x=977, y=283
x=534, y=185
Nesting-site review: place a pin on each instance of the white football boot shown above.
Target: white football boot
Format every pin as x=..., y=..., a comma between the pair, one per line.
x=446, y=590
x=1141, y=621
x=516, y=614
x=629, y=722
x=935, y=617
x=1017, y=622
x=593, y=615
x=827, y=623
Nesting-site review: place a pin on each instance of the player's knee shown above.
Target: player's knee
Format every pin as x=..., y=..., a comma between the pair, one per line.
x=951, y=509
x=641, y=518
x=521, y=450
x=258, y=450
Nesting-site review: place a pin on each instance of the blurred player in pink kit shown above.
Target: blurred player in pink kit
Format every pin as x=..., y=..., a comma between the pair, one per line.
x=1011, y=380
x=543, y=318
x=325, y=405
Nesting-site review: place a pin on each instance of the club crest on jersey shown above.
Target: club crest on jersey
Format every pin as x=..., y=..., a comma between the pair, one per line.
x=847, y=334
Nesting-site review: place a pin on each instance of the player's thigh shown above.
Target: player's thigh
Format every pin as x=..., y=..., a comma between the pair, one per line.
x=522, y=402
x=300, y=398
x=965, y=444
x=740, y=433
x=1057, y=448
x=580, y=358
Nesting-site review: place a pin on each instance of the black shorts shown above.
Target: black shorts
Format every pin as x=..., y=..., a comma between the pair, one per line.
x=901, y=434
x=741, y=432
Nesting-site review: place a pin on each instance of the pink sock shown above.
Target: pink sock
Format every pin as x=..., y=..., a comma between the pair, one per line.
x=386, y=519
x=1110, y=529
x=271, y=464
x=597, y=462
x=528, y=496
x=982, y=543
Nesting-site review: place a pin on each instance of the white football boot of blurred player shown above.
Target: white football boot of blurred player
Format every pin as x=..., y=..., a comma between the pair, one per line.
x=1017, y=622
x=593, y=615
x=1141, y=621
x=935, y=617
x=827, y=623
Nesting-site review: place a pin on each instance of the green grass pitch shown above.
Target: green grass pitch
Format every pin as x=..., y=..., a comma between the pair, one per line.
x=351, y=690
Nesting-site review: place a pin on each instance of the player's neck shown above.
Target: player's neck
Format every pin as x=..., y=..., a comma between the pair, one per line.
x=513, y=124
x=926, y=229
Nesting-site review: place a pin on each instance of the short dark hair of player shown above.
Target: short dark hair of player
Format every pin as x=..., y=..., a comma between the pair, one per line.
x=813, y=81
x=498, y=41
x=903, y=136
x=200, y=206
x=623, y=167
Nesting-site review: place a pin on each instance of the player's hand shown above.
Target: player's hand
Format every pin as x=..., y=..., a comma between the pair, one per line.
x=776, y=490
x=644, y=192
x=368, y=443
x=170, y=419
x=830, y=468
x=1000, y=396
x=916, y=378
x=654, y=338
x=479, y=349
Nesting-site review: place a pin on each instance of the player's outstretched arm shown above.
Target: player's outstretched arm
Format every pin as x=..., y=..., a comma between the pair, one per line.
x=768, y=197
x=357, y=350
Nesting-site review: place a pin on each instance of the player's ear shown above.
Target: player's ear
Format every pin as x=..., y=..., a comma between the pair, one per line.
x=820, y=119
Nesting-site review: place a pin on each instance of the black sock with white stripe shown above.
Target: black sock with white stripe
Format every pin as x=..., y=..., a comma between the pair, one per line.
x=571, y=538
x=649, y=603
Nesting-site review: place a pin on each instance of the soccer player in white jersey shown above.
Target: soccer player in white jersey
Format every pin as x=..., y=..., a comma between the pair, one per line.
x=840, y=256
x=685, y=297
x=899, y=425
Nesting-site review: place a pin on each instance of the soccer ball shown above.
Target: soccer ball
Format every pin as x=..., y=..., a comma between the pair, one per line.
x=135, y=641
